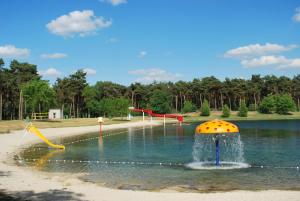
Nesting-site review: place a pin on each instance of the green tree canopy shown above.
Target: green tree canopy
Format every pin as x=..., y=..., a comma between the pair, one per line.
x=160, y=101
x=267, y=105
x=284, y=104
x=117, y=107
x=39, y=95
x=188, y=107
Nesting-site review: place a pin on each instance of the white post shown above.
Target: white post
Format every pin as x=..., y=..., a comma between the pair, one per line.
x=143, y=116
x=151, y=119
x=164, y=119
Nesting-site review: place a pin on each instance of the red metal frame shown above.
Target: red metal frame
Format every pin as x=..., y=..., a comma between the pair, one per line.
x=151, y=113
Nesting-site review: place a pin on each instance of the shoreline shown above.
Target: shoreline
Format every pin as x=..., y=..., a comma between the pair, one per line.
x=28, y=183
x=7, y=125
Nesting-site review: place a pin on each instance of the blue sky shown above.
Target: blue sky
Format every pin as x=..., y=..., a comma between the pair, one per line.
x=137, y=40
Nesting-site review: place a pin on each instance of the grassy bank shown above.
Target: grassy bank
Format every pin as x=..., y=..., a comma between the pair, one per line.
x=192, y=117
x=7, y=126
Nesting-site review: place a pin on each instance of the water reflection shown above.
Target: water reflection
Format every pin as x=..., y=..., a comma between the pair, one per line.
x=100, y=145
x=42, y=162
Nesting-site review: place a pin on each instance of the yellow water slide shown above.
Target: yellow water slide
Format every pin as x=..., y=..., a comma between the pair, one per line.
x=32, y=129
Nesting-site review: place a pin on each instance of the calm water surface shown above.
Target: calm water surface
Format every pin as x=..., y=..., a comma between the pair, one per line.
x=155, y=158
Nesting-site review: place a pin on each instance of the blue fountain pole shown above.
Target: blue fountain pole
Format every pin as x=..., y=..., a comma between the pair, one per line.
x=217, y=152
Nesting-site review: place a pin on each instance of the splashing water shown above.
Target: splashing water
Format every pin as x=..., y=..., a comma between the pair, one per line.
x=231, y=152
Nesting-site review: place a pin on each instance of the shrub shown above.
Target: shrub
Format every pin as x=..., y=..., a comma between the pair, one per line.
x=243, y=110
x=188, y=107
x=205, y=110
x=226, y=111
x=284, y=103
x=267, y=105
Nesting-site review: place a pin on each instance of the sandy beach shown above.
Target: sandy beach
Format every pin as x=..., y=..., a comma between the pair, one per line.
x=29, y=184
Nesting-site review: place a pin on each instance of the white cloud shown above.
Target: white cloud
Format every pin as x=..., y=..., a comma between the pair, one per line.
x=50, y=72
x=115, y=2
x=142, y=54
x=280, y=62
x=296, y=17
x=293, y=63
x=80, y=23
x=10, y=51
x=257, y=49
x=154, y=74
x=265, y=61
x=89, y=71
x=53, y=56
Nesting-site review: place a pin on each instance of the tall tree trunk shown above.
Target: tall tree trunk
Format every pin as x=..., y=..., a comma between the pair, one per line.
x=77, y=109
x=21, y=105
x=215, y=100
x=62, y=110
x=73, y=104
x=255, y=101
x=201, y=101
x=25, y=109
x=132, y=98
x=222, y=104
x=70, y=111
x=1, y=103
x=298, y=104
x=180, y=100
x=229, y=99
x=40, y=111
x=176, y=103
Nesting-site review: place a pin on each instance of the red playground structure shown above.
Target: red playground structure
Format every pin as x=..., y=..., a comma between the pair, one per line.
x=152, y=114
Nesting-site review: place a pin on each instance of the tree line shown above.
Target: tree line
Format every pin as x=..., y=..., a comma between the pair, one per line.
x=23, y=91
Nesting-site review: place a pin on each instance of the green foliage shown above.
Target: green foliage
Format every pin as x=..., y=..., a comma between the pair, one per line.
x=114, y=107
x=160, y=101
x=281, y=104
x=284, y=103
x=78, y=99
x=92, y=104
x=188, y=107
x=205, y=110
x=226, y=111
x=267, y=105
x=243, y=110
x=252, y=107
x=38, y=94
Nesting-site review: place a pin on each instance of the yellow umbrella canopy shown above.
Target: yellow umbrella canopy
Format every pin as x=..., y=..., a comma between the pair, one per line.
x=216, y=127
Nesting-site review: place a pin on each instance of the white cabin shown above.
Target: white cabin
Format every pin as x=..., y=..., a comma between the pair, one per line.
x=55, y=114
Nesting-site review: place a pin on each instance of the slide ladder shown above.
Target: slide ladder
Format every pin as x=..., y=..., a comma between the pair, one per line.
x=32, y=129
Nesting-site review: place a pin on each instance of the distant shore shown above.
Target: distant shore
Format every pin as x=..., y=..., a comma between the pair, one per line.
x=28, y=183
x=10, y=125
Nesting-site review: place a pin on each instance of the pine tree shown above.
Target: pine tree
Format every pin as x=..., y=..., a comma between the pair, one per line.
x=226, y=111
x=243, y=110
x=205, y=110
